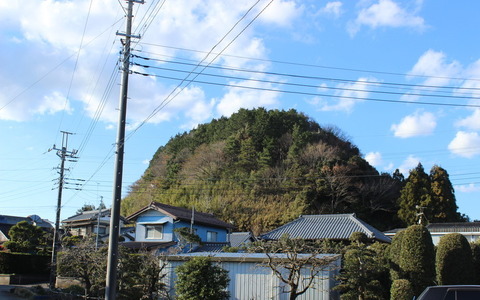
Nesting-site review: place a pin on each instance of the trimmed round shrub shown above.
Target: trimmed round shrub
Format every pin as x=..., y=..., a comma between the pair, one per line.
x=417, y=257
x=401, y=290
x=476, y=261
x=394, y=255
x=454, y=260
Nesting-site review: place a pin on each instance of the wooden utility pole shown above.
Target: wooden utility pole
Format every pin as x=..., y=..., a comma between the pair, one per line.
x=63, y=154
x=111, y=280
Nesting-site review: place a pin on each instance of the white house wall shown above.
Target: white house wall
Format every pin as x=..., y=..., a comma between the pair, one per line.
x=253, y=281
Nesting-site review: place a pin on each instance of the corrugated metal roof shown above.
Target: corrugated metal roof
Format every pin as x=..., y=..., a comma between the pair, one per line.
x=454, y=227
x=335, y=226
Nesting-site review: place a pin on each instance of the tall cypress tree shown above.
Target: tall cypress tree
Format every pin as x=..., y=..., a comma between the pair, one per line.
x=444, y=208
x=415, y=193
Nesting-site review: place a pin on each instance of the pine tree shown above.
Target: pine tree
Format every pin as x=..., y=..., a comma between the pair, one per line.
x=415, y=194
x=444, y=208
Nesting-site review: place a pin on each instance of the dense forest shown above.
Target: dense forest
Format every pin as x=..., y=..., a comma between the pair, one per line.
x=259, y=169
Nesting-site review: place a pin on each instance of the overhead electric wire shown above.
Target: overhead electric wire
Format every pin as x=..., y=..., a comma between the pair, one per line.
x=312, y=93
x=306, y=85
x=67, y=97
x=313, y=65
x=179, y=87
x=300, y=76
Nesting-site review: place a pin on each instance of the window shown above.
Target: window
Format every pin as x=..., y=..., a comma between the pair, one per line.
x=153, y=231
x=101, y=230
x=211, y=236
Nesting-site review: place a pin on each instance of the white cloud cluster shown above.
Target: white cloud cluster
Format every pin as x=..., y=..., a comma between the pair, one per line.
x=465, y=144
x=386, y=13
x=417, y=124
x=347, y=95
x=333, y=8
x=46, y=35
x=408, y=164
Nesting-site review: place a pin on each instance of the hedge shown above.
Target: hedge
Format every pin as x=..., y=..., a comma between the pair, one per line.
x=22, y=263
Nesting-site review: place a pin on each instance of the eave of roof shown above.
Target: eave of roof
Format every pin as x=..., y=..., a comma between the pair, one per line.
x=334, y=226
x=184, y=214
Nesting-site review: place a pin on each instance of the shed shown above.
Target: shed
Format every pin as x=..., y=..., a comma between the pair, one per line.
x=251, y=279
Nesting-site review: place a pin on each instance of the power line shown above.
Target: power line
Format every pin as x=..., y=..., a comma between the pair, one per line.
x=312, y=65
x=309, y=85
x=312, y=93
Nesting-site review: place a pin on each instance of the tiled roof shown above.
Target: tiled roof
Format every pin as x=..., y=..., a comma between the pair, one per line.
x=335, y=227
x=238, y=239
x=184, y=214
x=87, y=215
x=211, y=247
x=454, y=227
x=147, y=245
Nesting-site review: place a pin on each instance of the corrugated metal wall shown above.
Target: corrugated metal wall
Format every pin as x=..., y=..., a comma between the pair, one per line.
x=252, y=281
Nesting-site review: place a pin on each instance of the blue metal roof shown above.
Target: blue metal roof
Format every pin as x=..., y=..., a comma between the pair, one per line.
x=335, y=227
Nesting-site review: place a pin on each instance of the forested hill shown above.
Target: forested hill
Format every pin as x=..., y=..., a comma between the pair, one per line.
x=259, y=169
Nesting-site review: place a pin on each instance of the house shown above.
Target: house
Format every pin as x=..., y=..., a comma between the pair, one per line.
x=333, y=227
x=91, y=222
x=239, y=239
x=471, y=230
x=6, y=222
x=155, y=226
x=251, y=278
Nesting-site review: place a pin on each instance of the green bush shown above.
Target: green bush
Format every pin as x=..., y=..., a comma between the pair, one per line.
x=417, y=257
x=454, y=260
x=476, y=261
x=401, y=290
x=394, y=255
x=21, y=263
x=200, y=279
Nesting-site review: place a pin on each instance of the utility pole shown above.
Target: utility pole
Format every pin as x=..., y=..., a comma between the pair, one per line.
x=111, y=280
x=63, y=153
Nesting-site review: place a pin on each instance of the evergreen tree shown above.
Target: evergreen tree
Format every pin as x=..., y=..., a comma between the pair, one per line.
x=200, y=279
x=417, y=257
x=401, y=290
x=359, y=276
x=415, y=194
x=454, y=260
x=25, y=237
x=444, y=208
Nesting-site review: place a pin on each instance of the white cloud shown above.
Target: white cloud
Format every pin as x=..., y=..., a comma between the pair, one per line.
x=347, y=96
x=408, y=164
x=237, y=98
x=386, y=13
x=434, y=65
x=374, y=159
x=416, y=124
x=465, y=144
x=333, y=8
x=471, y=122
x=467, y=188
x=47, y=36
x=53, y=103
x=281, y=13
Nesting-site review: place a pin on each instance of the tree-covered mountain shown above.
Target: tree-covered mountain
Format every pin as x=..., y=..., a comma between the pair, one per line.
x=259, y=169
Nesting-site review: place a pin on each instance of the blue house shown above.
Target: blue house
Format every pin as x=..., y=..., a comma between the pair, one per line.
x=155, y=227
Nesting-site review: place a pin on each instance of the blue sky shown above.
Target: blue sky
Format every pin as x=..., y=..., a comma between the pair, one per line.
x=401, y=79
